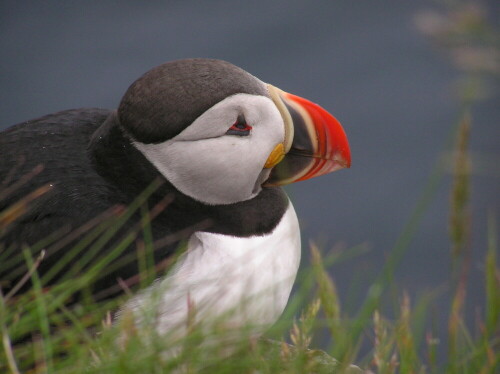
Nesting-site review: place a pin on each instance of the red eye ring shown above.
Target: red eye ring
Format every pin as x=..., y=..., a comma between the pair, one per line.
x=240, y=127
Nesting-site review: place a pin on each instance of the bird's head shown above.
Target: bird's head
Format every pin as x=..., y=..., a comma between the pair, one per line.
x=220, y=135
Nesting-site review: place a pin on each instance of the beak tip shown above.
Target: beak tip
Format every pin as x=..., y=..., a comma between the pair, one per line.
x=347, y=161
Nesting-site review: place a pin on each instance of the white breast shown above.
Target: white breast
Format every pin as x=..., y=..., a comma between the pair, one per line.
x=244, y=281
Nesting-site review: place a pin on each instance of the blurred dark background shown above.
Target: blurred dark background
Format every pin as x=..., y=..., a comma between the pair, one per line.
x=393, y=89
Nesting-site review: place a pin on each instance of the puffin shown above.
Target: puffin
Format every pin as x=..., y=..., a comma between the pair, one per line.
x=217, y=143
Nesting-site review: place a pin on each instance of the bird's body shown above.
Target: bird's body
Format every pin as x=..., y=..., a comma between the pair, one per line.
x=245, y=281
x=215, y=137
x=78, y=192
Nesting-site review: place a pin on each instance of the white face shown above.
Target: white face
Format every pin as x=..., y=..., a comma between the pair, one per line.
x=210, y=166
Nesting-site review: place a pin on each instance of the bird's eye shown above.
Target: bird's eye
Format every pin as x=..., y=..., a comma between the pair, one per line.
x=240, y=127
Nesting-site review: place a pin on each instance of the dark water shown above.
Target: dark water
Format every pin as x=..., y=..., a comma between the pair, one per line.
x=364, y=61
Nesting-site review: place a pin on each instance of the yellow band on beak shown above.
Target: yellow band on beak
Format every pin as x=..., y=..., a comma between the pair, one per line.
x=275, y=156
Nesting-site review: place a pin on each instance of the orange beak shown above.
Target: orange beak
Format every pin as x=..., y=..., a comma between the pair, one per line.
x=315, y=143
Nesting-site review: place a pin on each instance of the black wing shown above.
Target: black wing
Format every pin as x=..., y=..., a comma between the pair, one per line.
x=49, y=156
